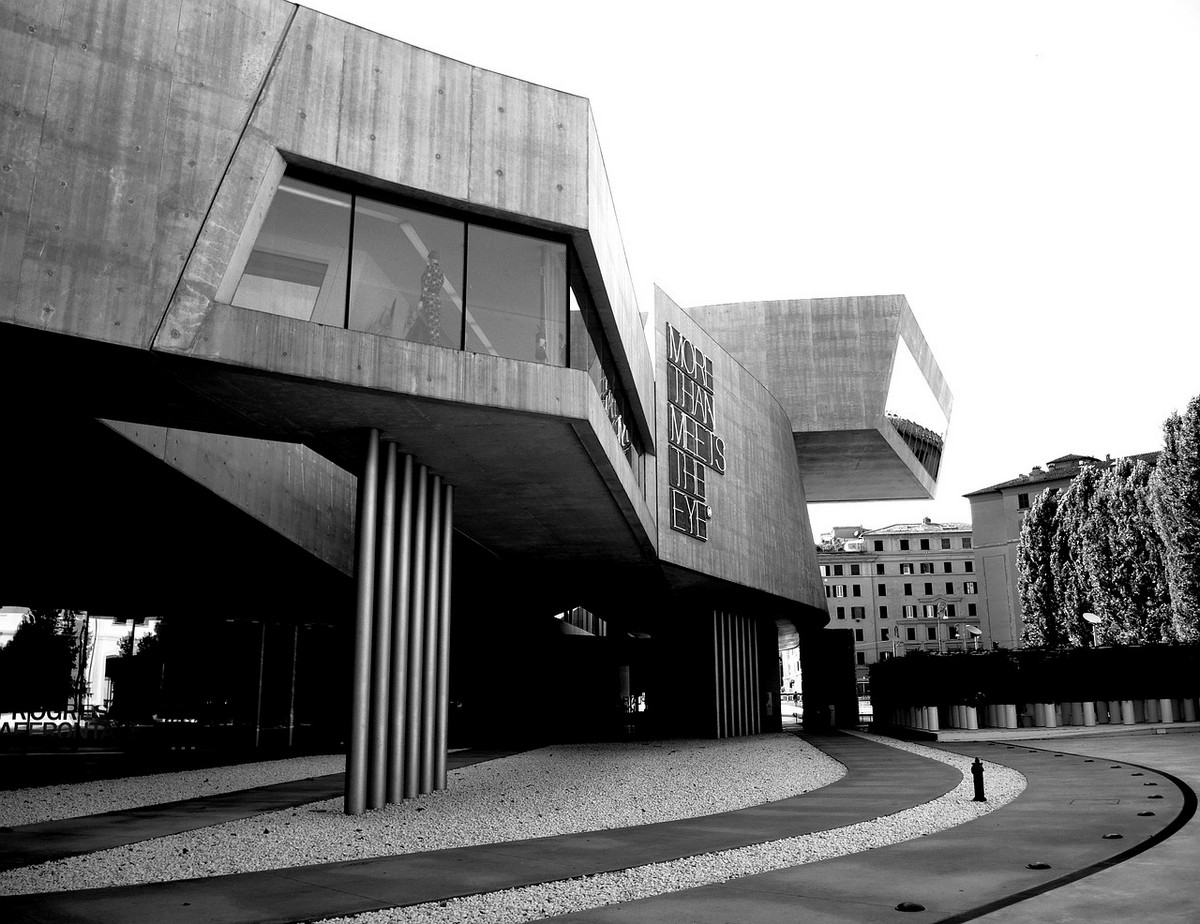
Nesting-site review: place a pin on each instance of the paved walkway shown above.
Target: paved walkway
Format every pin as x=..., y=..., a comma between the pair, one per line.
x=974, y=871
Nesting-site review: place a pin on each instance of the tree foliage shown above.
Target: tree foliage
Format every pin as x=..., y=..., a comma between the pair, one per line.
x=1175, y=502
x=36, y=666
x=1122, y=542
x=1039, y=600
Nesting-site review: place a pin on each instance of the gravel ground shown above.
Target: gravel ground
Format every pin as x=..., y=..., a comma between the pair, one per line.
x=554, y=790
x=535, y=902
x=51, y=803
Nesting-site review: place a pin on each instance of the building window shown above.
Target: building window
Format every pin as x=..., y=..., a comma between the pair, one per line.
x=955, y=631
x=882, y=590
x=884, y=655
x=860, y=658
x=910, y=634
x=903, y=545
x=839, y=590
x=908, y=590
x=906, y=567
x=828, y=591
x=841, y=612
x=931, y=633
x=948, y=567
x=838, y=571
x=883, y=612
x=966, y=543
x=951, y=610
x=879, y=568
x=408, y=276
x=927, y=567
x=855, y=570
x=1022, y=501
x=950, y=587
x=945, y=542
x=824, y=570
x=971, y=609
x=883, y=635
x=856, y=590
x=858, y=612
x=858, y=635
x=928, y=589
x=969, y=566
x=878, y=545
x=924, y=545
x=970, y=587
x=929, y=611
x=909, y=611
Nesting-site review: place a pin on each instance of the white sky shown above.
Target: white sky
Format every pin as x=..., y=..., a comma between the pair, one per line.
x=1027, y=173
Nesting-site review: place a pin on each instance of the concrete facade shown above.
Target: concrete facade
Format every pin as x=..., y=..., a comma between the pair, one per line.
x=296, y=466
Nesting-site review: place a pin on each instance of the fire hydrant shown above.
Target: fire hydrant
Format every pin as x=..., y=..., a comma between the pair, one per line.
x=977, y=772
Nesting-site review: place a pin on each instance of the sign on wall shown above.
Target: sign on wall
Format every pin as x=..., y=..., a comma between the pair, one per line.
x=693, y=448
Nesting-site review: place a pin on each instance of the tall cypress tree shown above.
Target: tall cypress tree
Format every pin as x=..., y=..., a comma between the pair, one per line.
x=1122, y=559
x=1039, y=598
x=1175, y=501
x=1075, y=526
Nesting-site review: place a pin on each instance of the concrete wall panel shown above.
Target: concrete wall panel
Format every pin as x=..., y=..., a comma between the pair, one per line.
x=286, y=486
x=143, y=103
x=759, y=535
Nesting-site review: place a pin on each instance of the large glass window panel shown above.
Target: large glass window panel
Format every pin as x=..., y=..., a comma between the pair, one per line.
x=408, y=269
x=298, y=265
x=516, y=297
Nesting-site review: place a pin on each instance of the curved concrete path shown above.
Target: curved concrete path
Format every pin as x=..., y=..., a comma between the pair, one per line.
x=880, y=780
x=964, y=873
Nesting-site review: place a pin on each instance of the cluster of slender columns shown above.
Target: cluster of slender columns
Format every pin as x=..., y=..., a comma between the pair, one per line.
x=399, y=706
x=735, y=650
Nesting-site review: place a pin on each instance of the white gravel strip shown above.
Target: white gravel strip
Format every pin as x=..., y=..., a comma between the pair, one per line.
x=547, y=900
x=52, y=803
x=555, y=790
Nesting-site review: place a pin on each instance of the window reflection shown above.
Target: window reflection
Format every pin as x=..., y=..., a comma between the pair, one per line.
x=298, y=265
x=408, y=269
x=516, y=296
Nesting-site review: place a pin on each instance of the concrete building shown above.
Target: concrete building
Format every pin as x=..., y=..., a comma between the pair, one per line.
x=334, y=338
x=905, y=587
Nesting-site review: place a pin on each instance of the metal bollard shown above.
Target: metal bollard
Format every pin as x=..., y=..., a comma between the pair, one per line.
x=977, y=773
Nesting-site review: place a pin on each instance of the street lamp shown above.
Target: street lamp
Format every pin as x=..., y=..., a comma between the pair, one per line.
x=1094, y=620
x=974, y=633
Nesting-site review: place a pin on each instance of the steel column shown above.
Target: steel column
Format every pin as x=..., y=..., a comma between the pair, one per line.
x=356, y=756
x=441, y=736
x=433, y=587
x=398, y=689
x=381, y=644
x=717, y=681
x=416, y=642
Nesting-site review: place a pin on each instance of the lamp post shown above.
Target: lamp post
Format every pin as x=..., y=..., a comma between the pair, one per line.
x=974, y=633
x=1094, y=621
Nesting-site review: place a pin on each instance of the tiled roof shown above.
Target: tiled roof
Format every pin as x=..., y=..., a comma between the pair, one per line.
x=1064, y=468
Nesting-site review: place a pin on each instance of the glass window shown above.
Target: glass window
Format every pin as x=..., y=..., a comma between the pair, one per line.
x=928, y=589
x=855, y=570
x=966, y=543
x=883, y=612
x=908, y=590
x=858, y=635
x=903, y=545
x=839, y=590
x=408, y=271
x=516, y=296
x=879, y=568
x=884, y=635
x=931, y=633
x=969, y=566
x=929, y=611
x=971, y=610
x=860, y=657
x=949, y=587
x=1022, y=501
x=878, y=545
x=970, y=587
x=945, y=542
x=856, y=590
x=924, y=545
x=910, y=633
x=906, y=567
x=298, y=266
x=927, y=567
x=824, y=570
x=951, y=610
x=882, y=590
x=838, y=570
x=858, y=612
x=948, y=567
x=841, y=612
x=910, y=612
